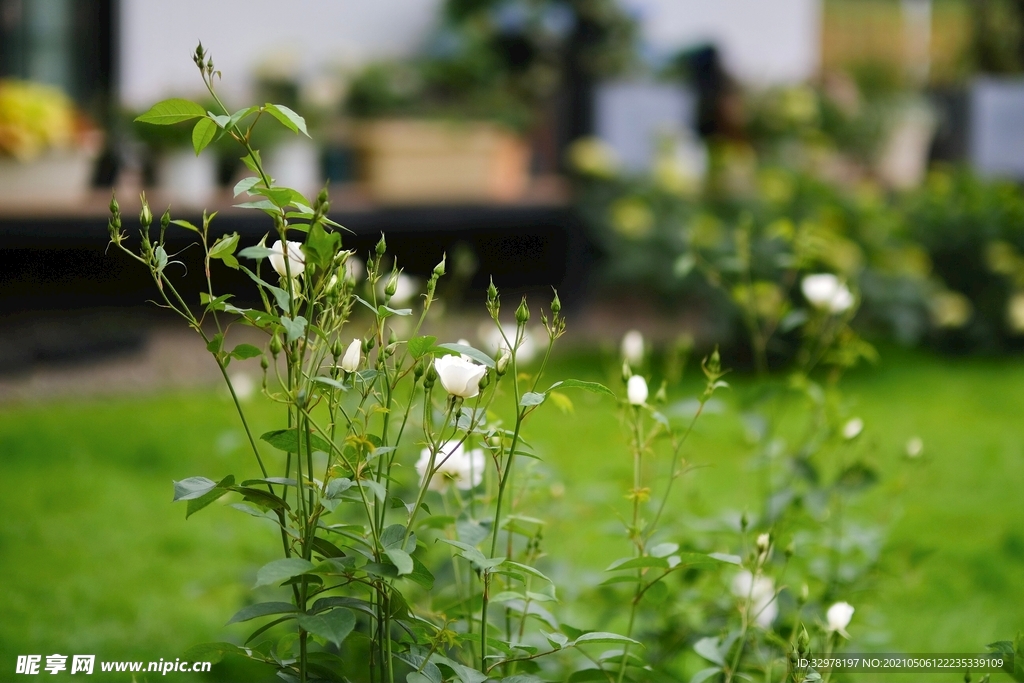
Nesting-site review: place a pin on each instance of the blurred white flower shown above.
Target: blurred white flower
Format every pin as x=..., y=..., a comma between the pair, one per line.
x=494, y=343
x=825, y=292
x=950, y=309
x=452, y=465
x=915, y=447
x=459, y=376
x=636, y=390
x=761, y=592
x=1015, y=312
x=293, y=251
x=354, y=268
x=406, y=288
x=838, y=617
x=853, y=428
x=632, y=347
x=243, y=385
x=353, y=355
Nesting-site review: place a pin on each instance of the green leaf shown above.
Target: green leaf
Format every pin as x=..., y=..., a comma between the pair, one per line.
x=282, y=297
x=287, y=440
x=419, y=346
x=333, y=626
x=294, y=329
x=216, y=343
x=725, y=557
x=401, y=559
x=203, y=134
x=250, y=164
x=604, y=637
x=321, y=246
x=246, y=184
x=170, y=111
x=262, y=609
x=193, y=487
x=213, y=652
x=224, y=249
x=243, y=351
x=257, y=252
x=664, y=549
x=264, y=204
x=476, y=355
x=708, y=649
x=592, y=387
x=531, y=398
x=705, y=674
x=261, y=498
x=638, y=563
x=185, y=224
x=281, y=570
x=420, y=575
x=287, y=117
x=196, y=504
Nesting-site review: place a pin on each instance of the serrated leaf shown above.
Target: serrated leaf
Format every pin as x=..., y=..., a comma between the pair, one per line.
x=262, y=609
x=281, y=570
x=244, y=351
x=174, y=110
x=202, y=134
x=419, y=346
x=604, y=637
x=401, y=559
x=246, y=184
x=333, y=626
x=288, y=118
x=592, y=387
x=287, y=440
x=196, y=504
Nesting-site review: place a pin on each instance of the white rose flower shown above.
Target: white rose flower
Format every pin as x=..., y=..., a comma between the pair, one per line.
x=453, y=465
x=761, y=593
x=825, y=292
x=838, y=617
x=293, y=250
x=354, y=268
x=636, y=390
x=353, y=355
x=632, y=347
x=853, y=428
x=494, y=343
x=459, y=376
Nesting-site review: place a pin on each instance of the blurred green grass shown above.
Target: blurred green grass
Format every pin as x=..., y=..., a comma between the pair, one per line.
x=94, y=559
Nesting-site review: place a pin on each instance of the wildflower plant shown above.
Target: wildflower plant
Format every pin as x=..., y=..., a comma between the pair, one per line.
x=390, y=479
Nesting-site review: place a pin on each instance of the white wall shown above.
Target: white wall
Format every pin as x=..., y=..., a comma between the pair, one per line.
x=158, y=37
x=762, y=41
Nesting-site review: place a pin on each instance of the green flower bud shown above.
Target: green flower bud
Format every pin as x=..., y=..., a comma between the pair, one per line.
x=337, y=350
x=485, y=380
x=493, y=301
x=556, y=305
x=803, y=640
x=523, y=312
x=744, y=522
x=381, y=247
x=115, y=208
x=627, y=371
x=263, y=363
x=439, y=268
x=392, y=338
x=392, y=286
x=323, y=203
x=417, y=372
x=275, y=345
x=430, y=377
x=145, y=215
x=165, y=220
x=368, y=345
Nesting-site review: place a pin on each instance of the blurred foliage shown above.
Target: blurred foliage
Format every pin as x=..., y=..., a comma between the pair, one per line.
x=35, y=118
x=499, y=60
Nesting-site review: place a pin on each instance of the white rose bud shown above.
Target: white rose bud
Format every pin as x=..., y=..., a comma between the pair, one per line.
x=293, y=250
x=459, y=376
x=838, y=617
x=353, y=355
x=636, y=390
x=825, y=292
x=633, y=347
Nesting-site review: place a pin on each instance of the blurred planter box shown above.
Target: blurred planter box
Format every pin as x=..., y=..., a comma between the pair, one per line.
x=54, y=178
x=419, y=161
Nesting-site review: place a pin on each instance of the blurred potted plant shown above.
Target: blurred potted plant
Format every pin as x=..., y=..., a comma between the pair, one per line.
x=47, y=148
x=455, y=123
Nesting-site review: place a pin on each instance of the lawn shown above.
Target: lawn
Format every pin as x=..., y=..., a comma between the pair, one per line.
x=94, y=559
